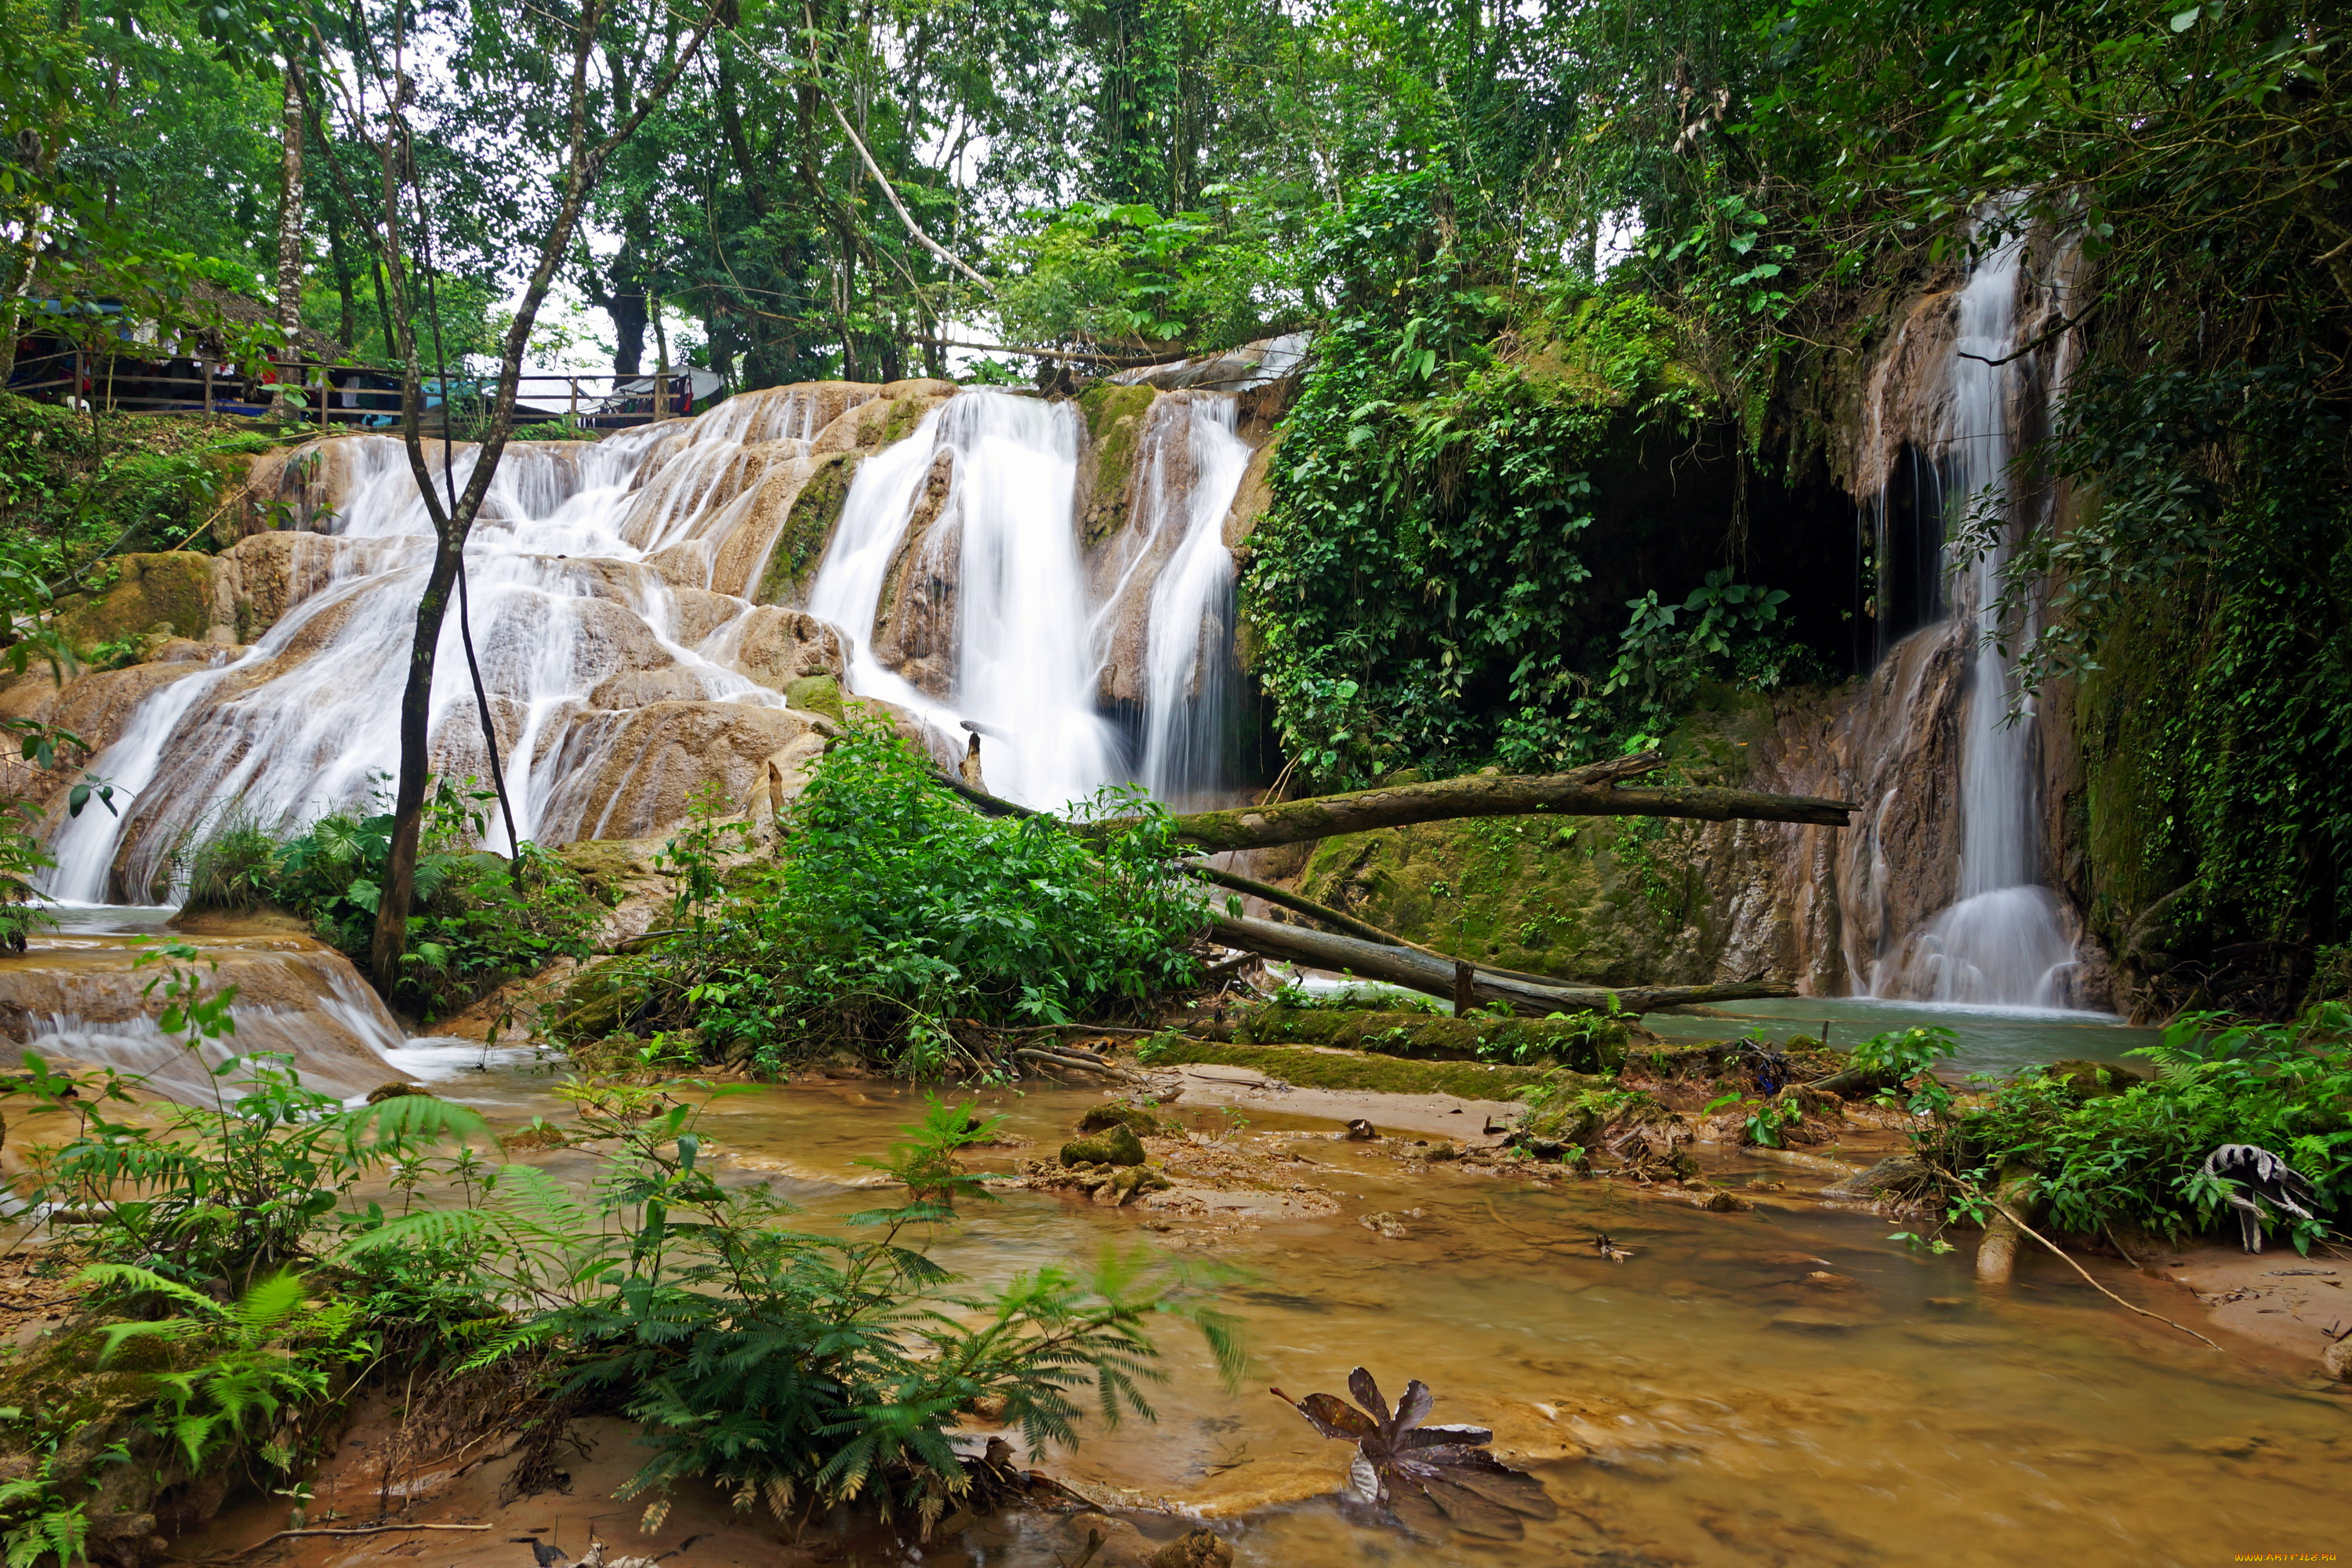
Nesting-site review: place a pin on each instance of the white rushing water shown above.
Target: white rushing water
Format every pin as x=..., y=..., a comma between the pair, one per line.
x=1188, y=658
x=574, y=571
x=2005, y=940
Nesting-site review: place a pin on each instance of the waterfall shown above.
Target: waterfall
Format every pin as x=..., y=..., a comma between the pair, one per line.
x=1187, y=656
x=2004, y=940
x=609, y=581
x=993, y=555
x=307, y=720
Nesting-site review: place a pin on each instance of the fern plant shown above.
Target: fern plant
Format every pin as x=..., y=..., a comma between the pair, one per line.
x=270, y=1348
x=790, y=1366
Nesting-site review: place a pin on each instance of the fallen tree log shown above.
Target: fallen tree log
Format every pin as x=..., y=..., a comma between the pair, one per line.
x=1417, y=971
x=1583, y=792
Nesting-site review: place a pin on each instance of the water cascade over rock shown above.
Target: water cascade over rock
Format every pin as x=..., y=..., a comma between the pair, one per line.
x=643, y=606
x=1942, y=891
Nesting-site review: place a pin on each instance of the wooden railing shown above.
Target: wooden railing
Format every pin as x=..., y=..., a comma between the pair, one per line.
x=129, y=383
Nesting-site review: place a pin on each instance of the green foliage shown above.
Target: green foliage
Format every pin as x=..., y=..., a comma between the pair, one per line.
x=1111, y=274
x=790, y=1368
x=1909, y=1058
x=231, y=1190
x=2209, y=569
x=891, y=916
x=1424, y=590
x=478, y=921
x=44, y=1521
x=2134, y=1157
x=269, y=1349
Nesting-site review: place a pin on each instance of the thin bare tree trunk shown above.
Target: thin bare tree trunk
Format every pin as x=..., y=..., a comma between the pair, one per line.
x=585, y=162
x=291, y=248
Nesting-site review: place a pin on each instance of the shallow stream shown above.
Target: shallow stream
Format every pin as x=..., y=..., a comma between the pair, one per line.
x=1785, y=1386
x=1714, y=1399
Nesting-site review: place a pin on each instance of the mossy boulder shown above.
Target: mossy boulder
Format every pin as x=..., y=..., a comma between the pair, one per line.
x=808, y=529
x=604, y=866
x=816, y=694
x=1588, y=1042
x=1115, y=419
x=2097, y=1080
x=1114, y=1145
x=170, y=592
x=1134, y=1118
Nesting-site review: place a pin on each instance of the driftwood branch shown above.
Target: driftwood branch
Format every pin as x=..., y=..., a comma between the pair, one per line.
x=1584, y=791
x=1283, y=898
x=1435, y=976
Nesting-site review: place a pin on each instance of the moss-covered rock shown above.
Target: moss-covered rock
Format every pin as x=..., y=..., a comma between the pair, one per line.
x=1118, y=1113
x=808, y=529
x=603, y=865
x=170, y=593
x=1589, y=1042
x=2097, y=1080
x=1604, y=902
x=1315, y=1066
x=1115, y=419
x=816, y=694
x=1114, y=1145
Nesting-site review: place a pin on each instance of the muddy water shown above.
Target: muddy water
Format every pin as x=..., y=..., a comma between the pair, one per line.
x=1707, y=1402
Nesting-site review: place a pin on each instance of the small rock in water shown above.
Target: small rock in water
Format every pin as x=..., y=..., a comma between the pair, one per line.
x=1115, y=1146
x=1385, y=1224
x=2336, y=1359
x=1196, y=1549
x=1803, y=1321
x=1360, y=1131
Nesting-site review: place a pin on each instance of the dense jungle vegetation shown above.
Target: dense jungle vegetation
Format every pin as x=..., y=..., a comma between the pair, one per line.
x=1589, y=290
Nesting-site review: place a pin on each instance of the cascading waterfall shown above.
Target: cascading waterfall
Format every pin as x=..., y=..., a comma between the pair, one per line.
x=607, y=577
x=1188, y=658
x=2004, y=940
x=961, y=537
x=306, y=721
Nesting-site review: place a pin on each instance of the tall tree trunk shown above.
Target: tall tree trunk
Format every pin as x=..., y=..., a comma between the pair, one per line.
x=289, y=233
x=584, y=165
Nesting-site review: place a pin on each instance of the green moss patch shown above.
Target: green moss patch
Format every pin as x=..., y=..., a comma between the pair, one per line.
x=1114, y=417
x=1588, y=1042
x=816, y=694
x=1311, y=1067
x=170, y=591
x=808, y=527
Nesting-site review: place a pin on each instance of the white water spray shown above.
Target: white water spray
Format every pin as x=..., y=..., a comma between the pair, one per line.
x=1188, y=654
x=2004, y=940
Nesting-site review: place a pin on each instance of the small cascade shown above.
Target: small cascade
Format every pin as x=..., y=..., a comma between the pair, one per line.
x=956, y=581
x=1187, y=656
x=574, y=571
x=77, y=1001
x=2005, y=938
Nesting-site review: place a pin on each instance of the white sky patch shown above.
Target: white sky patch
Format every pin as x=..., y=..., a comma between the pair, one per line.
x=1620, y=239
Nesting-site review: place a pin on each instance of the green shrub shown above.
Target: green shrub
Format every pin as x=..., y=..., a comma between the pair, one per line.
x=891, y=916
x=475, y=923
x=2135, y=1157
x=795, y=1370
